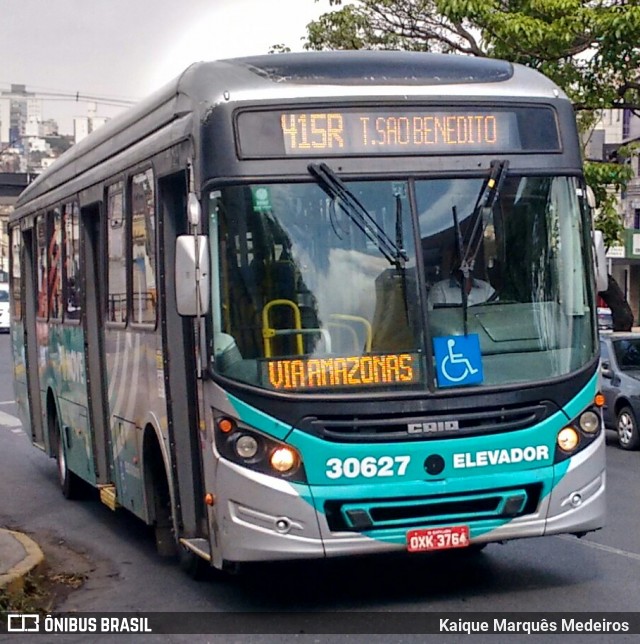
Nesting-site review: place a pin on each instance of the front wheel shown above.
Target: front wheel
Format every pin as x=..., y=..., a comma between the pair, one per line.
x=627, y=427
x=70, y=484
x=194, y=566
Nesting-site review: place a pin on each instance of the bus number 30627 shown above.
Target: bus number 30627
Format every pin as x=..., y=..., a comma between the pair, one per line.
x=369, y=466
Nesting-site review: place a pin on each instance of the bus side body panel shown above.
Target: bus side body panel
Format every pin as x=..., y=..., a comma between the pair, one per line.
x=136, y=399
x=64, y=393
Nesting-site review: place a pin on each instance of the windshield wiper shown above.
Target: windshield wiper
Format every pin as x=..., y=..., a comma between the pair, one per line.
x=487, y=198
x=467, y=251
x=359, y=215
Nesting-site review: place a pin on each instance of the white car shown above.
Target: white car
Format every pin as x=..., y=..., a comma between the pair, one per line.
x=4, y=311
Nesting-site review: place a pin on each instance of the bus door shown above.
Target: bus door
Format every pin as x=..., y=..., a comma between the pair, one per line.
x=180, y=380
x=30, y=293
x=93, y=342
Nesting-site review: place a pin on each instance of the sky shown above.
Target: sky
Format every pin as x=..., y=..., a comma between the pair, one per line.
x=128, y=48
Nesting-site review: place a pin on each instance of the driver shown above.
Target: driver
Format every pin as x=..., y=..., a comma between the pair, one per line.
x=449, y=290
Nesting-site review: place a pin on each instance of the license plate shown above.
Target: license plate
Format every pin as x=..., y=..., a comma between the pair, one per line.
x=438, y=538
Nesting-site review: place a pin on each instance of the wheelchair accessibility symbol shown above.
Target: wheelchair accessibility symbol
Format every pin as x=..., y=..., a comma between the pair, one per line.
x=458, y=360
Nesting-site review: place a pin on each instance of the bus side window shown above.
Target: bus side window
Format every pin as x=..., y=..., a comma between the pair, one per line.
x=116, y=270
x=143, y=245
x=54, y=286
x=41, y=266
x=71, y=244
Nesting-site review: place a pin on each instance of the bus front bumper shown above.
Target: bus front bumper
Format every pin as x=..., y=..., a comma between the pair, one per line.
x=262, y=518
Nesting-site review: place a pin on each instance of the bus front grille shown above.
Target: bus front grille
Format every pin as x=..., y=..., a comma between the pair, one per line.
x=361, y=515
x=427, y=425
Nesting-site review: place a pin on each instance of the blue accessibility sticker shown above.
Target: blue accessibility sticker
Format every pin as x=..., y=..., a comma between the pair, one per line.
x=458, y=360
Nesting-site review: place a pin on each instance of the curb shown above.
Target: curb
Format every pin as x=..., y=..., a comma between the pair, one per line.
x=27, y=555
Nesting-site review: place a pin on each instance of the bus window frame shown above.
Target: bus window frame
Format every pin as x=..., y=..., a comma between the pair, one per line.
x=108, y=185
x=128, y=209
x=15, y=231
x=41, y=219
x=74, y=204
x=51, y=231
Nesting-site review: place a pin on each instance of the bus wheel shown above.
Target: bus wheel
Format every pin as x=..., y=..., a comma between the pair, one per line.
x=627, y=427
x=70, y=484
x=163, y=528
x=196, y=567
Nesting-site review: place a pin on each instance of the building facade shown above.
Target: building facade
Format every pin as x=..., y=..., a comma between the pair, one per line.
x=616, y=128
x=17, y=108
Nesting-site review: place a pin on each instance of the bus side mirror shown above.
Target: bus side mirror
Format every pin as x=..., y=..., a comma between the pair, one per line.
x=192, y=275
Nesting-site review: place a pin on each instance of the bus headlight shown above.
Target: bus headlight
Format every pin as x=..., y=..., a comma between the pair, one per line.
x=568, y=439
x=246, y=446
x=256, y=451
x=283, y=459
x=581, y=432
x=589, y=422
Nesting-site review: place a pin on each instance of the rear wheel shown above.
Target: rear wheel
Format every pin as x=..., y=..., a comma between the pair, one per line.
x=627, y=427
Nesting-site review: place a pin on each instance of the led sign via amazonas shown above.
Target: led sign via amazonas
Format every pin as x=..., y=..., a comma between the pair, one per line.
x=352, y=371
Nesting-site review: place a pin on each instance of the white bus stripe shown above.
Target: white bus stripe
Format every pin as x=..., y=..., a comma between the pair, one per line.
x=134, y=392
x=123, y=383
x=113, y=374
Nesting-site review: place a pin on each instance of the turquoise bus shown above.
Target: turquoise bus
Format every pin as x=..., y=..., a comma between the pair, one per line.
x=319, y=304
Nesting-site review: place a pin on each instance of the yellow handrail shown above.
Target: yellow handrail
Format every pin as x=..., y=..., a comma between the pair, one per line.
x=360, y=320
x=268, y=332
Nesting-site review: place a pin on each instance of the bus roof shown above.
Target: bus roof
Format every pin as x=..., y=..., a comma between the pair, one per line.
x=331, y=74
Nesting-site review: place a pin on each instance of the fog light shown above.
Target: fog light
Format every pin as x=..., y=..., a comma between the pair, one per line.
x=283, y=459
x=568, y=439
x=589, y=422
x=246, y=446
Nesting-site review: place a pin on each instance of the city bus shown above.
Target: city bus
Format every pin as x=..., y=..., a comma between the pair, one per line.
x=319, y=304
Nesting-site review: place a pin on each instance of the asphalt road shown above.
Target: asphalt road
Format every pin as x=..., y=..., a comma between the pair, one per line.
x=598, y=573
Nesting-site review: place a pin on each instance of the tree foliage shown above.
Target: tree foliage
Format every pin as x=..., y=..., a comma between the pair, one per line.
x=590, y=48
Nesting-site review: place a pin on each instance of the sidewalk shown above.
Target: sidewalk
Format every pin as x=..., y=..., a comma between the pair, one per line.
x=19, y=555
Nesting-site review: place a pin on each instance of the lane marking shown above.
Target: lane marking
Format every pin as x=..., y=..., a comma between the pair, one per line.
x=9, y=420
x=7, y=402
x=600, y=546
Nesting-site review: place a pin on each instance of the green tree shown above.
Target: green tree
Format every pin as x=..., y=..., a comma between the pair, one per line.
x=590, y=48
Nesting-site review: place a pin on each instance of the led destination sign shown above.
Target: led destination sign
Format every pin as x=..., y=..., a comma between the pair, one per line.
x=353, y=371
x=396, y=131
x=361, y=131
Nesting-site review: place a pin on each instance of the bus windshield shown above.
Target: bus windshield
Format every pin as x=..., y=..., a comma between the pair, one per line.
x=326, y=287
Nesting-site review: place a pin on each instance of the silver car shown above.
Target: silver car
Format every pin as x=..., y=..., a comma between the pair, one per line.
x=620, y=384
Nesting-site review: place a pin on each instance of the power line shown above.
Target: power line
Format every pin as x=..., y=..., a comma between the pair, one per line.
x=76, y=97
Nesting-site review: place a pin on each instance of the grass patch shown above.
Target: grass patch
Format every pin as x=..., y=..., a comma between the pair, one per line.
x=42, y=592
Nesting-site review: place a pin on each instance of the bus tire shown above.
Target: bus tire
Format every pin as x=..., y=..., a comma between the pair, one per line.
x=163, y=527
x=627, y=428
x=196, y=567
x=70, y=483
